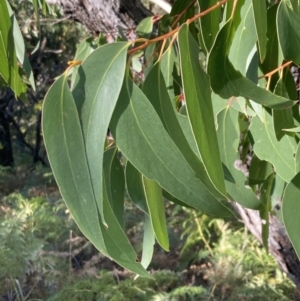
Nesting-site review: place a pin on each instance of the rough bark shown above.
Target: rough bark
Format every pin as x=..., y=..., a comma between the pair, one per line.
x=105, y=16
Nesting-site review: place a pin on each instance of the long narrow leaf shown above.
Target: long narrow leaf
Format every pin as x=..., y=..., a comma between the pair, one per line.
x=96, y=91
x=232, y=82
x=114, y=180
x=199, y=107
x=228, y=135
x=290, y=211
x=156, y=91
x=67, y=155
x=153, y=193
x=141, y=137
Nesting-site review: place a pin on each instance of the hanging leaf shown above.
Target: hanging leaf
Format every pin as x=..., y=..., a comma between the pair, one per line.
x=20, y=47
x=67, y=155
x=199, y=108
x=290, y=212
x=288, y=22
x=148, y=243
x=284, y=118
x=84, y=49
x=114, y=182
x=266, y=209
x=141, y=137
x=145, y=27
x=156, y=91
x=297, y=157
x=96, y=100
x=244, y=39
x=9, y=69
x=266, y=147
x=259, y=171
x=228, y=135
x=260, y=17
x=135, y=187
x=167, y=65
x=210, y=22
x=155, y=203
x=232, y=83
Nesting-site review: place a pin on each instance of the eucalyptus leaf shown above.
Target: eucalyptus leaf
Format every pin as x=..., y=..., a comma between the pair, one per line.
x=9, y=69
x=288, y=22
x=135, y=187
x=148, y=243
x=232, y=82
x=143, y=140
x=67, y=155
x=210, y=22
x=266, y=147
x=155, y=203
x=199, y=108
x=96, y=100
x=114, y=180
x=261, y=26
x=290, y=212
x=228, y=135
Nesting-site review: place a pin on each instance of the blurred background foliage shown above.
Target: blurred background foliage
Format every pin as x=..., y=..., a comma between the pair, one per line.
x=43, y=255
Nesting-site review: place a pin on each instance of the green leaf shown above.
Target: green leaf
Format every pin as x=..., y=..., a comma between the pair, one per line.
x=265, y=209
x=273, y=57
x=283, y=118
x=210, y=22
x=114, y=182
x=117, y=243
x=167, y=65
x=288, y=22
x=260, y=17
x=67, y=155
x=135, y=187
x=156, y=91
x=199, y=108
x=277, y=193
x=293, y=130
x=244, y=38
x=155, y=203
x=96, y=100
x=9, y=69
x=259, y=171
x=232, y=83
x=228, y=135
x=290, y=212
x=297, y=157
x=20, y=47
x=84, y=49
x=66, y=152
x=141, y=137
x=266, y=147
x=148, y=243
x=145, y=27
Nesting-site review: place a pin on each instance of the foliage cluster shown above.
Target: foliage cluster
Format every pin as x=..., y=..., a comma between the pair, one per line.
x=238, y=102
x=215, y=89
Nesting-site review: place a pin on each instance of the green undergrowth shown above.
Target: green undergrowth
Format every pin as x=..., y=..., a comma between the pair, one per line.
x=43, y=255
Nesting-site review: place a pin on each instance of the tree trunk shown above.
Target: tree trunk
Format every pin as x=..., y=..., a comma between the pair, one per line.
x=105, y=16
x=6, y=151
x=280, y=246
